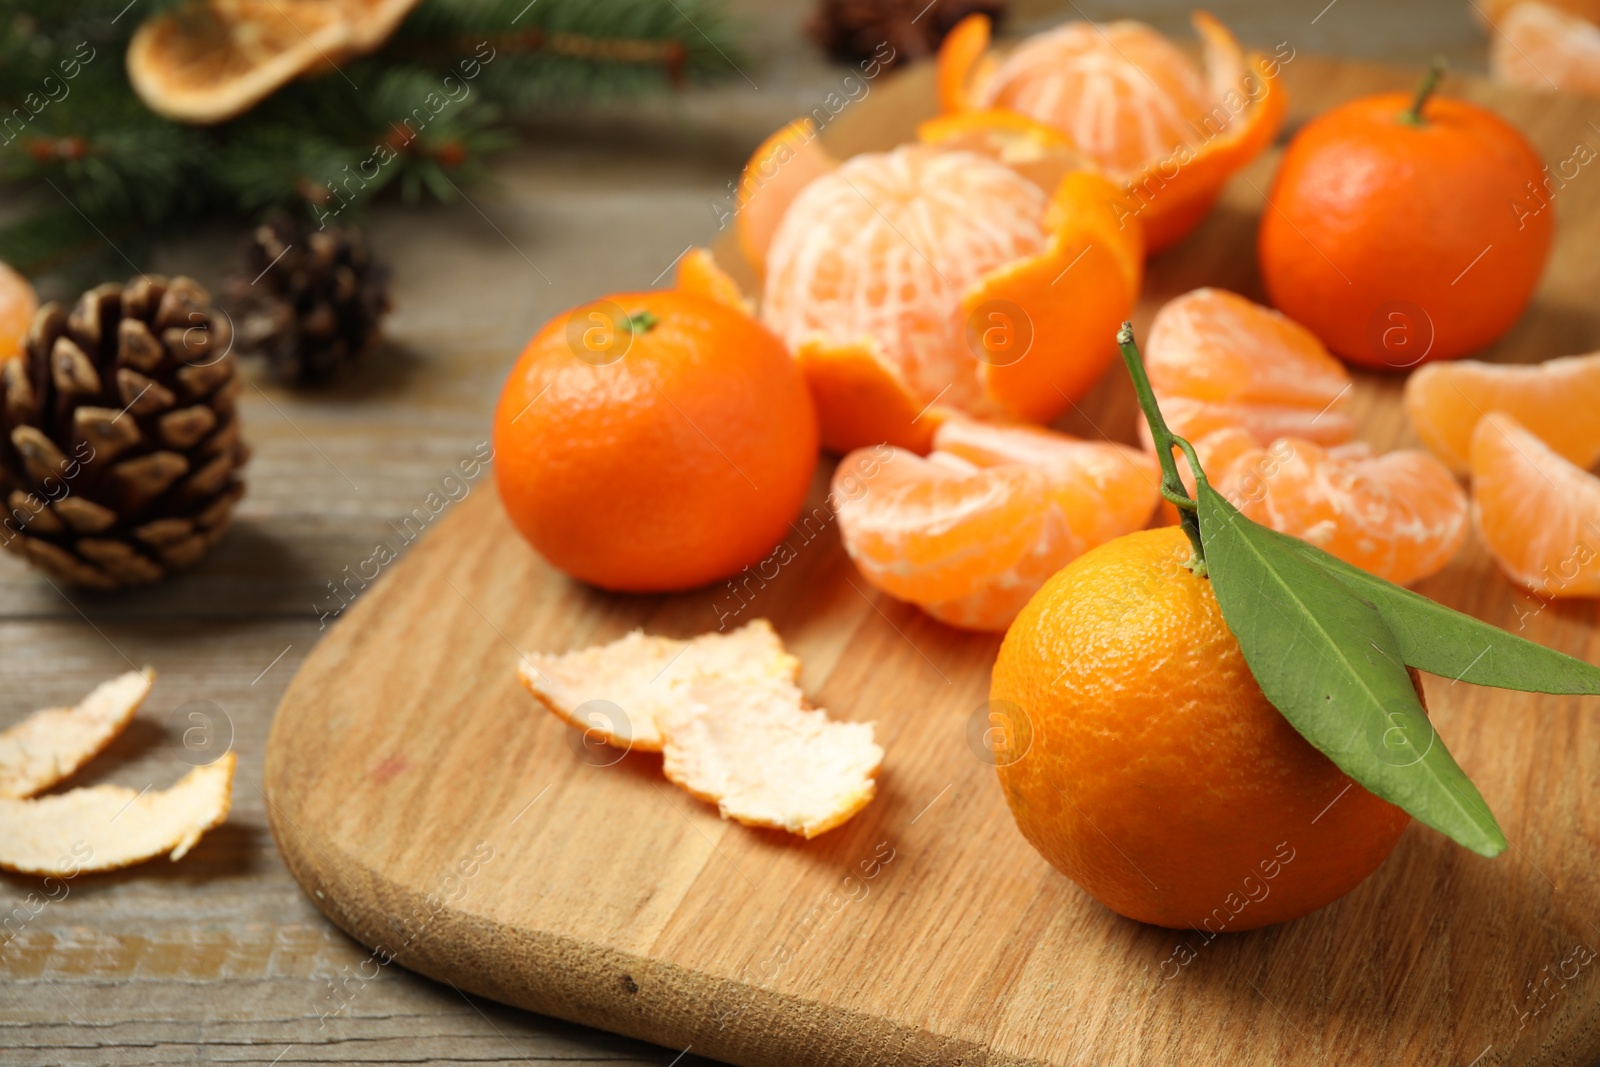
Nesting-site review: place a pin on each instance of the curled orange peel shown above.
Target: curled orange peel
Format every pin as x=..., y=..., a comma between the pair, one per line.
x=1074, y=295
x=862, y=396
x=1169, y=195
x=777, y=171
x=700, y=273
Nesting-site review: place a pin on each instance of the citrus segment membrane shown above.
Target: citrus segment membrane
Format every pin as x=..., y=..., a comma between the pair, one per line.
x=1560, y=396
x=106, y=827
x=1541, y=47
x=617, y=692
x=1538, y=513
x=49, y=745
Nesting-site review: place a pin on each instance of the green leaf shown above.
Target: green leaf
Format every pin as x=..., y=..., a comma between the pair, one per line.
x=1443, y=641
x=1326, y=659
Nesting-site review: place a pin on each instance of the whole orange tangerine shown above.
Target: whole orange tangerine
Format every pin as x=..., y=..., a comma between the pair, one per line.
x=654, y=441
x=1143, y=761
x=1399, y=236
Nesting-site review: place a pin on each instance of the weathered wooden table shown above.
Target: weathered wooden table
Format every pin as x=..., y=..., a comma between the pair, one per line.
x=220, y=958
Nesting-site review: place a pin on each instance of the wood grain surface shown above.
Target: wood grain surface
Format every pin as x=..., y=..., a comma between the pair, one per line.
x=431, y=811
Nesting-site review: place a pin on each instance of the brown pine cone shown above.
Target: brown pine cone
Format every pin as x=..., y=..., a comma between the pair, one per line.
x=310, y=301
x=855, y=31
x=121, y=454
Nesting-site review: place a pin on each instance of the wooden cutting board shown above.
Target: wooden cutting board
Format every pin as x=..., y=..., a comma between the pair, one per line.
x=434, y=813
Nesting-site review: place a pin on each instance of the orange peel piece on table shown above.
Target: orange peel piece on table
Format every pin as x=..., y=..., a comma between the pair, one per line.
x=1074, y=296
x=780, y=167
x=728, y=717
x=631, y=681
x=700, y=273
x=210, y=60
x=766, y=759
x=50, y=745
x=1168, y=194
x=107, y=827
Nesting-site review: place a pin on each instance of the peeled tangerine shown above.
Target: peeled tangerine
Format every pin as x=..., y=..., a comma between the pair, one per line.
x=971, y=531
x=919, y=281
x=1124, y=98
x=1538, y=512
x=1540, y=46
x=1265, y=406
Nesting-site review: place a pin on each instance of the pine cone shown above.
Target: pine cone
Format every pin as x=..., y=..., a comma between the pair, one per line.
x=121, y=454
x=311, y=302
x=855, y=31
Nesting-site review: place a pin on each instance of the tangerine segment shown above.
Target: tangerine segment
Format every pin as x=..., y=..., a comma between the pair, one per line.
x=970, y=541
x=1560, y=396
x=880, y=253
x=861, y=396
x=778, y=170
x=700, y=274
x=1400, y=515
x=1538, y=513
x=1216, y=359
x=1538, y=46
x=963, y=59
x=1071, y=298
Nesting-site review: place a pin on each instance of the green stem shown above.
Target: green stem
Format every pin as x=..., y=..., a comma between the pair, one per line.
x=642, y=321
x=1430, y=82
x=1172, y=487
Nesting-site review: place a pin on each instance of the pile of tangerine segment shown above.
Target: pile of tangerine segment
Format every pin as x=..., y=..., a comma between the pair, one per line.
x=926, y=311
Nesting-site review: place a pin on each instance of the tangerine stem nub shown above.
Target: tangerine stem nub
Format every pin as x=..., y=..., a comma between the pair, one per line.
x=1172, y=487
x=1430, y=81
x=642, y=321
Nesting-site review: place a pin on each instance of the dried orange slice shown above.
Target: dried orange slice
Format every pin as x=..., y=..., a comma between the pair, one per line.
x=211, y=60
x=970, y=532
x=1131, y=101
x=1400, y=515
x=1539, y=46
x=1560, y=396
x=1538, y=513
x=917, y=281
x=1217, y=360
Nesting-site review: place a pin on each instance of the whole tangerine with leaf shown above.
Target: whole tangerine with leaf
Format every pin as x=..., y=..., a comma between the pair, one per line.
x=654, y=441
x=1218, y=726
x=1404, y=228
